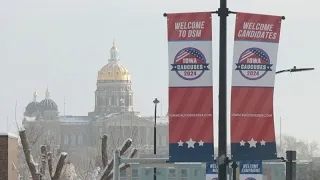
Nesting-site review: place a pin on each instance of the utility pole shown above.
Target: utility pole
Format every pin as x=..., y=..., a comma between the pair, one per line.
x=223, y=13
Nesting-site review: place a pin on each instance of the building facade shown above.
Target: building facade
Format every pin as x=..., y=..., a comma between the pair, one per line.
x=113, y=115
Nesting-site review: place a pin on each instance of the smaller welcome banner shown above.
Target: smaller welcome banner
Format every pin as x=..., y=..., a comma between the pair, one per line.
x=190, y=87
x=251, y=170
x=254, y=69
x=211, y=171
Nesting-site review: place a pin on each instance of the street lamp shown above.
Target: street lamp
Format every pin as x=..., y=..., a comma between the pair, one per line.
x=294, y=69
x=155, y=102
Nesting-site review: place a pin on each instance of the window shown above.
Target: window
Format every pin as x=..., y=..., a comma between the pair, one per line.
x=135, y=174
x=148, y=171
x=66, y=139
x=73, y=140
x=80, y=139
x=196, y=172
x=184, y=174
x=158, y=140
x=123, y=175
x=164, y=140
x=172, y=174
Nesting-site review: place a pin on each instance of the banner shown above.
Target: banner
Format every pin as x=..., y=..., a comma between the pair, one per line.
x=212, y=171
x=251, y=170
x=254, y=64
x=190, y=87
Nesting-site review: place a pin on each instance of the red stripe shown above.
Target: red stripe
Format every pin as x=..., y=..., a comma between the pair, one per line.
x=202, y=104
x=258, y=106
x=252, y=101
x=206, y=33
x=198, y=101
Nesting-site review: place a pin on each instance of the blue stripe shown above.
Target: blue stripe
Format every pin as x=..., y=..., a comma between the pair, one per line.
x=266, y=152
x=197, y=154
x=189, y=40
x=256, y=41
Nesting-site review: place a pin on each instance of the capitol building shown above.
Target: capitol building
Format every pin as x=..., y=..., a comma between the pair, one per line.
x=113, y=115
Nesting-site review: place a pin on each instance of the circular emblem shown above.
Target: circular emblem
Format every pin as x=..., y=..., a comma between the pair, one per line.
x=253, y=63
x=250, y=178
x=189, y=63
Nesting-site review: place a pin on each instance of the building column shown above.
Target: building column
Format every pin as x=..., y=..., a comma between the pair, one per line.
x=148, y=134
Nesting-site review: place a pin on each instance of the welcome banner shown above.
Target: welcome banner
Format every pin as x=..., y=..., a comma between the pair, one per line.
x=212, y=171
x=190, y=87
x=251, y=170
x=254, y=64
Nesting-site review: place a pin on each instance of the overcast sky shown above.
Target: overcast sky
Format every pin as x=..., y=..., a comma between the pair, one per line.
x=62, y=44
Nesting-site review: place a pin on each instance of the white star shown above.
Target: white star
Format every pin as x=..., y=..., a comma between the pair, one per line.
x=262, y=142
x=242, y=143
x=201, y=143
x=180, y=143
x=190, y=143
x=252, y=143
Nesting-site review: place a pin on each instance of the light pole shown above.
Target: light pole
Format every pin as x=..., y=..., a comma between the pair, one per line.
x=155, y=102
x=294, y=69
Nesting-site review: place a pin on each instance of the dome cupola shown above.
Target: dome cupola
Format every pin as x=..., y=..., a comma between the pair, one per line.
x=48, y=104
x=33, y=107
x=114, y=70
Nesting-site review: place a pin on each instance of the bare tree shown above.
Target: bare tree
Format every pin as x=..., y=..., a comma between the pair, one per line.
x=98, y=154
x=306, y=150
x=36, y=175
x=107, y=172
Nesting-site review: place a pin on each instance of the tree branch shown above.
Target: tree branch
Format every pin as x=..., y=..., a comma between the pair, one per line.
x=106, y=171
x=43, y=158
x=59, y=167
x=104, y=150
x=28, y=156
x=124, y=166
x=50, y=165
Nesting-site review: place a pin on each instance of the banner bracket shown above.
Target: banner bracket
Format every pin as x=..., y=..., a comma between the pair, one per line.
x=229, y=12
x=213, y=12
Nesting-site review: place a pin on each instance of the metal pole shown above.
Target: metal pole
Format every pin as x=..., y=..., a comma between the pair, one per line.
x=155, y=139
x=234, y=170
x=223, y=13
x=291, y=165
x=116, y=164
x=280, y=134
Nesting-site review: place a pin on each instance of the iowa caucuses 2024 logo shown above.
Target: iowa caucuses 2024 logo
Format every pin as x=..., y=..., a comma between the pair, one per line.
x=190, y=63
x=254, y=63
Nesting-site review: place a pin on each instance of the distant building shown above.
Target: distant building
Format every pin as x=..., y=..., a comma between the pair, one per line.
x=9, y=156
x=113, y=114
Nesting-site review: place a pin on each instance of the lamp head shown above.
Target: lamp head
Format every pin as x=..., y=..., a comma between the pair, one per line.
x=156, y=101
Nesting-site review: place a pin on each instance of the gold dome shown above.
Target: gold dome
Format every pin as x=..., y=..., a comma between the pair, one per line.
x=114, y=70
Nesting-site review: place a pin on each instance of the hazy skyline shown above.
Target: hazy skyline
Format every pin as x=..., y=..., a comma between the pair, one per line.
x=63, y=44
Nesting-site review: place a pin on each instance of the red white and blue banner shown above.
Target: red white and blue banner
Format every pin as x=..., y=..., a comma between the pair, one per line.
x=254, y=68
x=251, y=170
x=212, y=171
x=190, y=87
